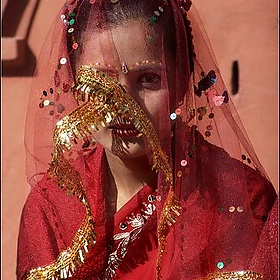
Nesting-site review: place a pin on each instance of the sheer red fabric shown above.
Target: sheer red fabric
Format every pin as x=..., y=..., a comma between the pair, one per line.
x=215, y=218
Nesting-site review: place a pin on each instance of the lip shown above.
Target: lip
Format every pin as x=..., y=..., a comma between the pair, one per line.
x=123, y=127
x=124, y=131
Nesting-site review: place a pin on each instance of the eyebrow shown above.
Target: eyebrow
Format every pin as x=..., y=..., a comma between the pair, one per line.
x=145, y=66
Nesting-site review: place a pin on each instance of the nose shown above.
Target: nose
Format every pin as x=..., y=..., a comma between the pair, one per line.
x=130, y=85
x=126, y=83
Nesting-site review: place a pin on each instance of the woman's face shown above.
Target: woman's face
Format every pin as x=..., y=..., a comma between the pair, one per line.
x=124, y=53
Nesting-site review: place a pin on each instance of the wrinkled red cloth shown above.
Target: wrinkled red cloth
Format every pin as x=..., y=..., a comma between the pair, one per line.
x=204, y=235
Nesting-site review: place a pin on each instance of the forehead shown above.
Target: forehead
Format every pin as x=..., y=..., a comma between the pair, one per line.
x=130, y=42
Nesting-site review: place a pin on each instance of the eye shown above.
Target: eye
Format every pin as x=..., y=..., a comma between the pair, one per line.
x=150, y=80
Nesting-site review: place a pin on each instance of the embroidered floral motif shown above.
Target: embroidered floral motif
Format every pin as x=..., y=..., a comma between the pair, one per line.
x=122, y=240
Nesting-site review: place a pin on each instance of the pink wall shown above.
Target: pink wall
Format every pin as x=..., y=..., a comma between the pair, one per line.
x=240, y=30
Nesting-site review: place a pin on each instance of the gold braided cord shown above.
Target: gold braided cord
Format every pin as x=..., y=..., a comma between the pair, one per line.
x=70, y=259
x=234, y=275
x=170, y=213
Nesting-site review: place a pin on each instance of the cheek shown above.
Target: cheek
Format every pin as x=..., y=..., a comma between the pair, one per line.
x=102, y=136
x=156, y=104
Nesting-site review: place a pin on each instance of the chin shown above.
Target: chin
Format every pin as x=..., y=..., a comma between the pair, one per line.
x=122, y=147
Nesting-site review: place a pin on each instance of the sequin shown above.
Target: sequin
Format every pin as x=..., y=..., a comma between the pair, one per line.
x=123, y=226
x=62, y=17
x=173, y=116
x=45, y=93
x=51, y=90
x=114, y=1
x=178, y=111
x=218, y=100
x=153, y=19
x=41, y=105
x=248, y=160
x=201, y=111
x=56, y=78
x=209, y=127
x=60, y=108
x=225, y=95
x=75, y=46
x=179, y=173
x=220, y=265
x=231, y=209
x=211, y=116
x=243, y=157
x=63, y=60
x=239, y=209
x=71, y=21
x=158, y=198
x=205, y=83
x=190, y=154
x=46, y=102
x=151, y=198
x=212, y=93
x=207, y=133
x=71, y=30
x=184, y=162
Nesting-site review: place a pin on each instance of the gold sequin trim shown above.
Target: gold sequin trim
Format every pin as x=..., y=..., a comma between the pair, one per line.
x=68, y=260
x=104, y=99
x=170, y=213
x=234, y=275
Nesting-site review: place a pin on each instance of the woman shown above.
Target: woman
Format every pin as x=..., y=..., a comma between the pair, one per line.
x=140, y=166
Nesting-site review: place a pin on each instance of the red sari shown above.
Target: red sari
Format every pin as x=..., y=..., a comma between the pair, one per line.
x=126, y=244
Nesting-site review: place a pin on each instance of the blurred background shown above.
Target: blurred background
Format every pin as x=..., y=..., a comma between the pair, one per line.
x=243, y=33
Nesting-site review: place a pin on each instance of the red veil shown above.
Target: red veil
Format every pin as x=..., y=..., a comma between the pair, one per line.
x=217, y=216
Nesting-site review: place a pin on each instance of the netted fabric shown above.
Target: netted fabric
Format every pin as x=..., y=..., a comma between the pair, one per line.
x=215, y=195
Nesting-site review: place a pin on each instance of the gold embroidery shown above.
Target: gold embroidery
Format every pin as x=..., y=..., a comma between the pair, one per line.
x=234, y=275
x=104, y=99
x=170, y=213
x=68, y=260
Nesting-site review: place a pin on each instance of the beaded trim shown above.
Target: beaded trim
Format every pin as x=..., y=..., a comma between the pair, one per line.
x=70, y=259
x=234, y=275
